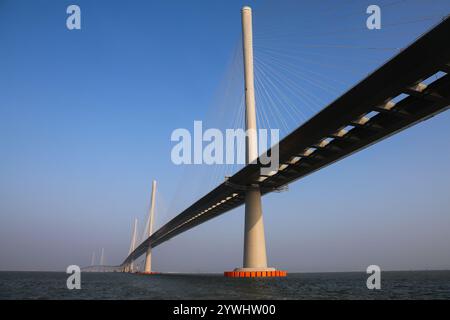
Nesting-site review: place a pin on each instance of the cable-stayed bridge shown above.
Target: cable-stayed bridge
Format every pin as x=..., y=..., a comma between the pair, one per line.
x=411, y=87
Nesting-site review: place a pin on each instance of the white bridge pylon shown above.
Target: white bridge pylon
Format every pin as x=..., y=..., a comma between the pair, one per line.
x=130, y=267
x=149, y=229
x=255, y=257
x=151, y=216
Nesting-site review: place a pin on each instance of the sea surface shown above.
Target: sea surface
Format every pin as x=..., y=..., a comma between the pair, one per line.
x=351, y=285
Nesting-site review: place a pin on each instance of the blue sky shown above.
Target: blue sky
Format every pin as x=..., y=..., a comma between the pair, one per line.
x=86, y=118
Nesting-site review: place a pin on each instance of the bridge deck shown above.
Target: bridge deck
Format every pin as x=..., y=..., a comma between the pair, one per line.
x=391, y=99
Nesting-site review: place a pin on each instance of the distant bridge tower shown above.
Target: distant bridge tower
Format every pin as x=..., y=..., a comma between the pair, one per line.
x=130, y=268
x=102, y=257
x=255, y=258
x=93, y=258
x=148, y=257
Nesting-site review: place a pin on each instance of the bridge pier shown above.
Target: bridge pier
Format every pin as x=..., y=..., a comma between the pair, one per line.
x=255, y=257
x=254, y=239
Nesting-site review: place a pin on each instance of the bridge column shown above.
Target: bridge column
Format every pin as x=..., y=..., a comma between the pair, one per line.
x=133, y=244
x=148, y=257
x=254, y=239
x=255, y=258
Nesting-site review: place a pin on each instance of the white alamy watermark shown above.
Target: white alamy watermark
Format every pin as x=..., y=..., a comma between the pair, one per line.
x=373, y=22
x=374, y=280
x=212, y=147
x=74, y=280
x=73, y=21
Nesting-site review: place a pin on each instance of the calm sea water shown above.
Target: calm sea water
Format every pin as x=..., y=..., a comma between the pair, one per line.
x=352, y=285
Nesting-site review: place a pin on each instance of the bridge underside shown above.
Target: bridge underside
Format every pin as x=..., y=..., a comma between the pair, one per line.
x=398, y=95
